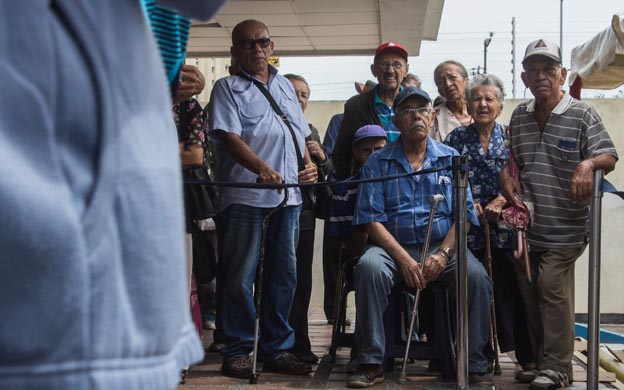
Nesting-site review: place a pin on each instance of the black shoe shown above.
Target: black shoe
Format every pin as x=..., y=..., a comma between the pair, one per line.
x=183, y=376
x=237, y=367
x=481, y=379
x=286, y=363
x=305, y=356
x=435, y=365
x=215, y=347
x=347, y=322
x=366, y=375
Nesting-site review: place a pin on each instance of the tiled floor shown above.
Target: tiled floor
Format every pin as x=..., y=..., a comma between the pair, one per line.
x=206, y=375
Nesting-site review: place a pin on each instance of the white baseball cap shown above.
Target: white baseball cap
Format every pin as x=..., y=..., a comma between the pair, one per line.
x=542, y=47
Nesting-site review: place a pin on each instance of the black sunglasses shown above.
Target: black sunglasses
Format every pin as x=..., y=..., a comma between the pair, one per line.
x=251, y=43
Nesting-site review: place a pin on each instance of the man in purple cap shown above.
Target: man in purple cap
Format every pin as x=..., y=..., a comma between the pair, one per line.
x=373, y=107
x=557, y=142
x=394, y=214
x=367, y=140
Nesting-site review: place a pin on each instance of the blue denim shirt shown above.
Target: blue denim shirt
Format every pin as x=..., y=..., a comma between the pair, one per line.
x=402, y=205
x=483, y=177
x=237, y=106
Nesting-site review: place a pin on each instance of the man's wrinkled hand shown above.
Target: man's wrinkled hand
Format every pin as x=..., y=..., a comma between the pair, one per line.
x=192, y=82
x=510, y=188
x=494, y=209
x=582, y=182
x=412, y=275
x=309, y=174
x=434, y=265
x=267, y=175
x=316, y=150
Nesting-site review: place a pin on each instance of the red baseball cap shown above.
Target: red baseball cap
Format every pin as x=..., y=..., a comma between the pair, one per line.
x=389, y=47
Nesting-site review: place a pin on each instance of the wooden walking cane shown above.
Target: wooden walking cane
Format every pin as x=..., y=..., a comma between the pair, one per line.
x=493, y=332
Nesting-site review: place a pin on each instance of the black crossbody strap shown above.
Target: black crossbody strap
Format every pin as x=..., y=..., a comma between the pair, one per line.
x=284, y=118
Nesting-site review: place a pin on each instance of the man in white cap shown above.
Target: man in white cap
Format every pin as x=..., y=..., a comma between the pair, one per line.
x=373, y=107
x=557, y=142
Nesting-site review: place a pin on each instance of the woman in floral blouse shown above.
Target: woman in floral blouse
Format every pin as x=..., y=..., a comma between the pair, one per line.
x=484, y=142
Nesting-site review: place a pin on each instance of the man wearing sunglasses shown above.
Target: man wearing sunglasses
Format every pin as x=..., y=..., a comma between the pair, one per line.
x=257, y=144
x=373, y=107
x=557, y=142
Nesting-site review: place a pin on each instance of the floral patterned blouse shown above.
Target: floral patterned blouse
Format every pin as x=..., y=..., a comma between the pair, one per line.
x=483, y=177
x=191, y=123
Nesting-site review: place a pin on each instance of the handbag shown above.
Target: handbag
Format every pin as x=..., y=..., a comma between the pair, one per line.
x=307, y=194
x=199, y=199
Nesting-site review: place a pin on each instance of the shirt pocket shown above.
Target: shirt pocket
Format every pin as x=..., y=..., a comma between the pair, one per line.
x=567, y=150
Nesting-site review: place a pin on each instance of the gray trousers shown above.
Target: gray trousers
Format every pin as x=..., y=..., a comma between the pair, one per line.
x=549, y=301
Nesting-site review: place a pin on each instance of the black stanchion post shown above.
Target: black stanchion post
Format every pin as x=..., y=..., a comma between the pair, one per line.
x=593, y=303
x=460, y=182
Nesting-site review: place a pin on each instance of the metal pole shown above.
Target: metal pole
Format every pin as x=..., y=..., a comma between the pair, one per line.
x=460, y=181
x=593, y=331
x=486, y=43
x=513, y=56
x=561, y=30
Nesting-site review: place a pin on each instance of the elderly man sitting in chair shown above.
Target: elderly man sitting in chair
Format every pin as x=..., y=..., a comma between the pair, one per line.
x=395, y=214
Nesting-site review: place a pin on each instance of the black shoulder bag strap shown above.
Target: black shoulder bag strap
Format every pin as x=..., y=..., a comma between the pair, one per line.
x=279, y=112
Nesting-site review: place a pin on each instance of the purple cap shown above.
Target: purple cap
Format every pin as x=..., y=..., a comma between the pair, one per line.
x=369, y=131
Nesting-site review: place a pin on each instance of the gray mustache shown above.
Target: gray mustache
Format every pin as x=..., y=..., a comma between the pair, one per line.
x=416, y=124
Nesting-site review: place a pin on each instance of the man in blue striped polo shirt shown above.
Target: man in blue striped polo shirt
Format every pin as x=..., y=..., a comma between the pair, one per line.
x=557, y=142
x=394, y=214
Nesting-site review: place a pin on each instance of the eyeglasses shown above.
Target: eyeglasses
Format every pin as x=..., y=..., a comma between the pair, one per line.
x=396, y=65
x=549, y=71
x=251, y=43
x=411, y=111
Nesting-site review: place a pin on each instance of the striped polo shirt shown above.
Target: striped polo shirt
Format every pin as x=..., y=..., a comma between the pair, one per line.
x=547, y=161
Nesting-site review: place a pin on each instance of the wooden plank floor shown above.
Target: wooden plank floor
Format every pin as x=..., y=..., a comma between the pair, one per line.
x=206, y=375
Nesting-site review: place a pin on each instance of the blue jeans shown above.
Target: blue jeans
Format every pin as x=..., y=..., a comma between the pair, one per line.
x=375, y=275
x=240, y=254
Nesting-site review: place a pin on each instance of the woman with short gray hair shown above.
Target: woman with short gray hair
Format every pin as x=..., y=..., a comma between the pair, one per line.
x=484, y=142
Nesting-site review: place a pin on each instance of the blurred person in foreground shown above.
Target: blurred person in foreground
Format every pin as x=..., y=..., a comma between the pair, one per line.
x=92, y=267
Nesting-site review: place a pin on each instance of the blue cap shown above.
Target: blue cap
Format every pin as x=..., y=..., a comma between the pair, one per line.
x=369, y=131
x=408, y=93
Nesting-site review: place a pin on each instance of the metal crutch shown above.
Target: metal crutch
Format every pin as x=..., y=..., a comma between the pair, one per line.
x=433, y=201
x=258, y=290
x=493, y=332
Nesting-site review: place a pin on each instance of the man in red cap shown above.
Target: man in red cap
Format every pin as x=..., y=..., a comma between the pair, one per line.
x=373, y=107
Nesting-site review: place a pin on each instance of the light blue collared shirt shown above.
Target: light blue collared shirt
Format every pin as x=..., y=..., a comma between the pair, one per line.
x=402, y=205
x=237, y=106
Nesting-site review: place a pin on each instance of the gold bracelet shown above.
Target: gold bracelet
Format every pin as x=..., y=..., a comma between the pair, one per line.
x=314, y=165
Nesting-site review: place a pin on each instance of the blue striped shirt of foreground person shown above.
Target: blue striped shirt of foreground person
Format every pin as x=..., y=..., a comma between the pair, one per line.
x=402, y=205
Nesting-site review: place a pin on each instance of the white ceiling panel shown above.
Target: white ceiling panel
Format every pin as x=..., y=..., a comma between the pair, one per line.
x=323, y=27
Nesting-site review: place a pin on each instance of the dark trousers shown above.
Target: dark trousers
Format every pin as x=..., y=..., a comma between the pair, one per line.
x=299, y=313
x=331, y=258
x=511, y=315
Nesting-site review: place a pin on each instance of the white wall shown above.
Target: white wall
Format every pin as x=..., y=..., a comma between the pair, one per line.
x=612, y=113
